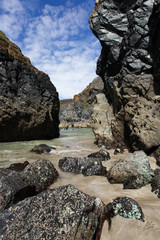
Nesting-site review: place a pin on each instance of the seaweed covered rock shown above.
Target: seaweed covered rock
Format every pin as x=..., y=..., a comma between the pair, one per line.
x=129, y=67
x=42, y=148
x=101, y=154
x=156, y=183
x=134, y=171
x=28, y=99
x=61, y=213
x=17, y=185
x=125, y=207
x=87, y=166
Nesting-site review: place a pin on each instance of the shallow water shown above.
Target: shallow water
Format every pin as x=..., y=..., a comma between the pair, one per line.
x=78, y=143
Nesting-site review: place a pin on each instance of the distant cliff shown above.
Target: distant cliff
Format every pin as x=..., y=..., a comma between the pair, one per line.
x=129, y=66
x=81, y=107
x=29, y=103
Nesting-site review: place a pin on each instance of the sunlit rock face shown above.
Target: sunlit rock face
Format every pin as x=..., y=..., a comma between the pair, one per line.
x=129, y=66
x=29, y=103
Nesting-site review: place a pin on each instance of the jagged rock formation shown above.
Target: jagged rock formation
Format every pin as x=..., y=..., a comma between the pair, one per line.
x=129, y=66
x=81, y=107
x=29, y=102
x=84, y=101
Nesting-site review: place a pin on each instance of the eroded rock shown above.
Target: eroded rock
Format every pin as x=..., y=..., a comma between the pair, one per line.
x=17, y=185
x=60, y=213
x=133, y=172
x=28, y=99
x=86, y=166
x=129, y=67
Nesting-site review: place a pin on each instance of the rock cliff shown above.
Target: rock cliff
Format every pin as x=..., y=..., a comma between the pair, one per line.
x=29, y=103
x=129, y=66
x=80, y=108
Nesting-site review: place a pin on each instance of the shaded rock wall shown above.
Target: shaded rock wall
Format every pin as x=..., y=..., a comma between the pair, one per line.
x=29, y=103
x=129, y=66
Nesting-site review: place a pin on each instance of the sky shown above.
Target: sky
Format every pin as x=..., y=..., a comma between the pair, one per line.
x=55, y=35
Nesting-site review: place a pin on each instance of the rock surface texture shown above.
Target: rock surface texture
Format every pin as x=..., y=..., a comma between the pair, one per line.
x=129, y=66
x=87, y=166
x=29, y=103
x=62, y=213
x=134, y=172
x=16, y=185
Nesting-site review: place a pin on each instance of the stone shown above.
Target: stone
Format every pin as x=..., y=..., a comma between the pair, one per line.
x=18, y=166
x=129, y=67
x=28, y=99
x=60, y=213
x=42, y=148
x=101, y=154
x=86, y=166
x=125, y=207
x=18, y=185
x=156, y=183
x=133, y=172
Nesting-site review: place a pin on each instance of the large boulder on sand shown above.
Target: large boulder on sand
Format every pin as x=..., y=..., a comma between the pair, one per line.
x=16, y=185
x=62, y=213
x=132, y=172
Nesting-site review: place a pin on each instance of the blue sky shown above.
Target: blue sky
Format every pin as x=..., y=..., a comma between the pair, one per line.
x=56, y=37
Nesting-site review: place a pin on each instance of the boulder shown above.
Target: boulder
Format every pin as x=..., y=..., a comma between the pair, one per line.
x=133, y=172
x=101, y=154
x=125, y=207
x=156, y=183
x=60, y=213
x=17, y=185
x=28, y=99
x=42, y=148
x=86, y=166
x=129, y=67
x=18, y=166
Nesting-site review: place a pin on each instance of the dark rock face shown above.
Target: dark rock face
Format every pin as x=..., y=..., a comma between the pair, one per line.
x=86, y=166
x=101, y=154
x=156, y=154
x=129, y=66
x=17, y=185
x=156, y=183
x=42, y=148
x=29, y=101
x=134, y=172
x=62, y=213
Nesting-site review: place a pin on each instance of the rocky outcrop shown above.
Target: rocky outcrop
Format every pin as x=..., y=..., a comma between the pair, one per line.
x=102, y=117
x=84, y=101
x=62, y=213
x=77, y=112
x=134, y=172
x=87, y=166
x=16, y=184
x=29, y=102
x=129, y=66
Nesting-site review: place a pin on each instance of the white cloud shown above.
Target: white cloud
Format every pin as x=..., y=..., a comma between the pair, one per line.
x=57, y=41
